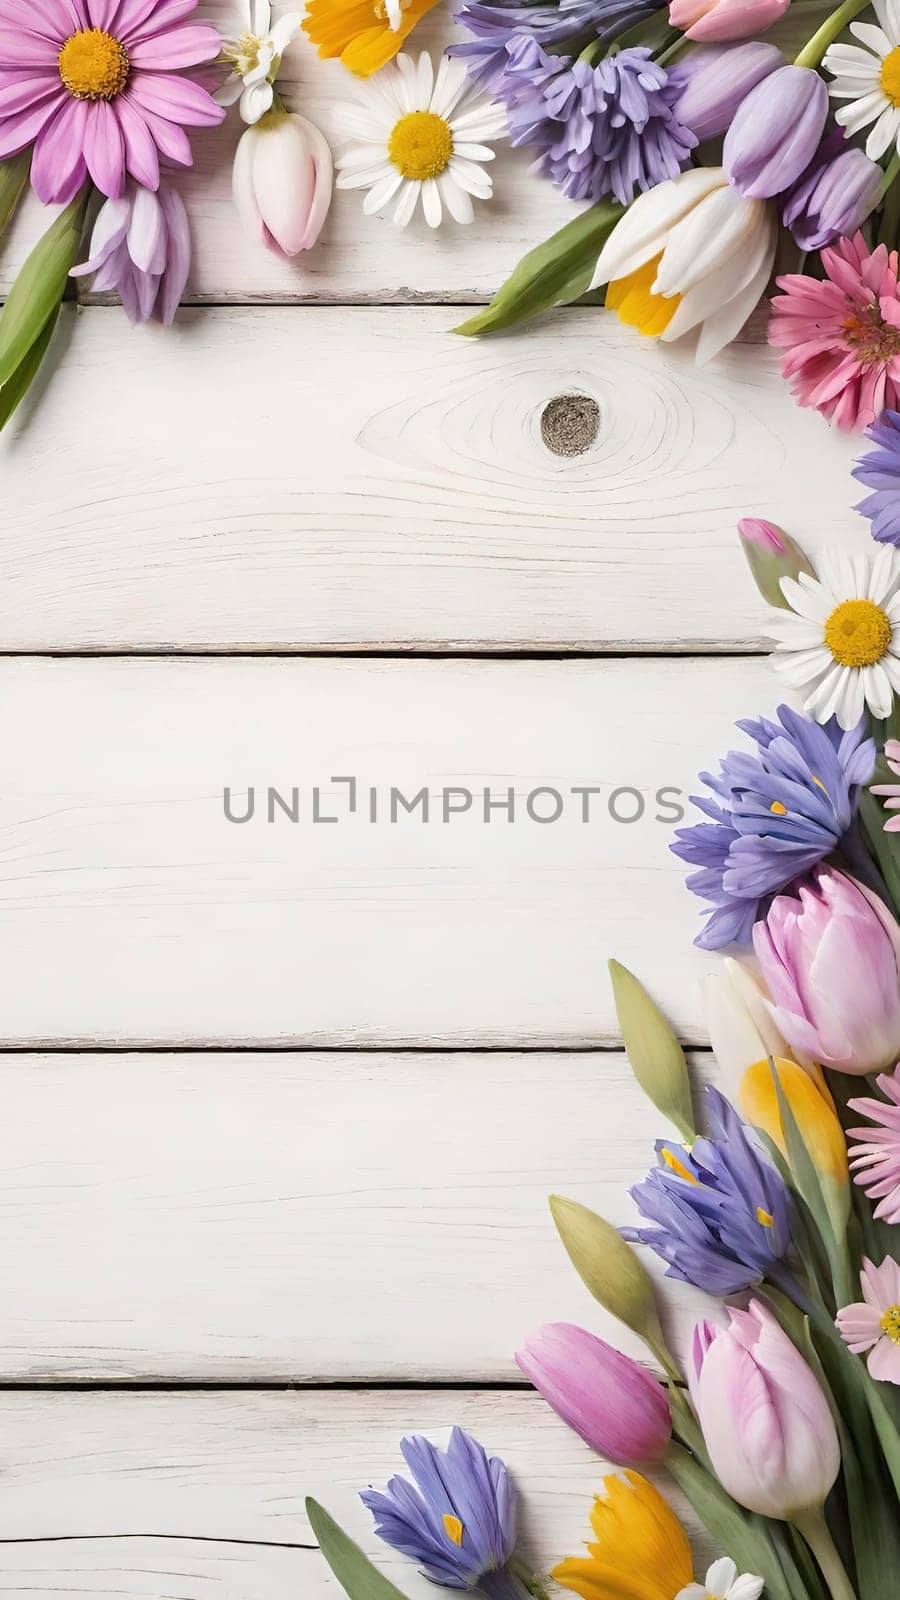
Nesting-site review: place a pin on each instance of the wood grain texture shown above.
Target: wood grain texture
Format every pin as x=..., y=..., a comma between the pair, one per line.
x=315, y=479
x=225, y=1218
x=178, y=1496
x=132, y=911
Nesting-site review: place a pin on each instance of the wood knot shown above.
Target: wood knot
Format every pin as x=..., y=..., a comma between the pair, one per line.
x=570, y=424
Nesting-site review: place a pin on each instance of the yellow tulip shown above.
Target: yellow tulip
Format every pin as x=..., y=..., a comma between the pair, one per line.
x=813, y=1111
x=642, y=1551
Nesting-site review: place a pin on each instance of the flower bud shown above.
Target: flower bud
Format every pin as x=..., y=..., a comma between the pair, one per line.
x=283, y=179
x=141, y=248
x=714, y=80
x=771, y=556
x=834, y=196
x=609, y=1268
x=614, y=1404
x=767, y=1425
x=719, y=21
x=654, y=1054
x=776, y=132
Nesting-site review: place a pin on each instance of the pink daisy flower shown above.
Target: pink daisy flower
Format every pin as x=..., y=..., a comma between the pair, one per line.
x=97, y=87
x=891, y=791
x=872, y=1326
x=876, y=1159
x=841, y=335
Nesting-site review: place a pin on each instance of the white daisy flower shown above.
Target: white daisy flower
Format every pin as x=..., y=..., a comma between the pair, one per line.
x=869, y=78
x=723, y=1583
x=841, y=638
x=253, y=47
x=420, y=135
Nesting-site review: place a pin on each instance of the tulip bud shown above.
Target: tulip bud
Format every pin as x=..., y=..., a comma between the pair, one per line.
x=834, y=196
x=830, y=956
x=771, y=556
x=776, y=132
x=654, y=1054
x=741, y=1030
x=817, y=1123
x=767, y=1425
x=610, y=1401
x=715, y=79
x=283, y=179
x=610, y=1269
x=720, y=21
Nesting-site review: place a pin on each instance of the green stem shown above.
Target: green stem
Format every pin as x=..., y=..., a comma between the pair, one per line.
x=814, y=1529
x=13, y=178
x=891, y=172
x=815, y=48
x=591, y=51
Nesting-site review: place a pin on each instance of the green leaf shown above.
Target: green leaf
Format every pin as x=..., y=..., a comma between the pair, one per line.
x=554, y=273
x=742, y=1535
x=13, y=178
x=654, y=1054
x=353, y=1570
x=38, y=290
x=14, y=391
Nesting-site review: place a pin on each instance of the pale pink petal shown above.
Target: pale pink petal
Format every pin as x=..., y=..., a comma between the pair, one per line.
x=141, y=152
x=104, y=149
x=20, y=48
x=143, y=18
x=20, y=93
x=884, y=1362
x=20, y=130
x=170, y=140
x=859, y=1326
x=57, y=167
x=179, y=260
x=178, y=100
x=178, y=47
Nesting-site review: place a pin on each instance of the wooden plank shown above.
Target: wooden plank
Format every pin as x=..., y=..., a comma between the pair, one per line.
x=362, y=479
x=358, y=258
x=133, y=911
x=180, y=1495
x=223, y=1218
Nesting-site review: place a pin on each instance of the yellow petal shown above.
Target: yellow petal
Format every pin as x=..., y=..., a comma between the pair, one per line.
x=812, y=1109
x=642, y=1552
x=358, y=31
x=638, y=307
x=594, y=1581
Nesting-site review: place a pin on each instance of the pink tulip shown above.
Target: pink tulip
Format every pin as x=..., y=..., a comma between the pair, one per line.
x=615, y=1405
x=830, y=957
x=283, y=180
x=767, y=1425
x=717, y=21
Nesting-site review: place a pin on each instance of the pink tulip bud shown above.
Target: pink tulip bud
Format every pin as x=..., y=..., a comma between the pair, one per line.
x=830, y=958
x=771, y=556
x=717, y=21
x=767, y=1425
x=616, y=1406
x=283, y=180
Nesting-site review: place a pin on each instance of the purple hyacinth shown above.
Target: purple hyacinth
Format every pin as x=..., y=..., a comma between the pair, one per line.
x=879, y=469
x=834, y=196
x=772, y=817
x=719, y=1213
x=599, y=130
x=457, y=1519
x=547, y=21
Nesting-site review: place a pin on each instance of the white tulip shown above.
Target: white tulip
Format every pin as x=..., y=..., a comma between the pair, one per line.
x=283, y=181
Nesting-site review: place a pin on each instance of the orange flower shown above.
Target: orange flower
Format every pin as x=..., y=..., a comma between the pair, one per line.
x=360, y=32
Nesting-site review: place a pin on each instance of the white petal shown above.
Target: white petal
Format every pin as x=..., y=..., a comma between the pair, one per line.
x=470, y=177
x=285, y=29
x=147, y=232
x=883, y=134
x=363, y=179
x=450, y=85
x=874, y=38
x=431, y=203
x=721, y=1576
x=425, y=80
x=645, y=227
x=457, y=201
x=877, y=688
x=714, y=231
x=406, y=204
x=382, y=192
x=256, y=100
x=747, y=1587
x=474, y=152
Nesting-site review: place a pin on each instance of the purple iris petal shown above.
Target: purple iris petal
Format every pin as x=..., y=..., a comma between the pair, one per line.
x=725, y=1226
x=494, y=25
x=773, y=816
x=879, y=469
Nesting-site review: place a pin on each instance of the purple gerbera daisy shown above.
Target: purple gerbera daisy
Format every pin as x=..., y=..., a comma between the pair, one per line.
x=879, y=470
x=773, y=816
x=97, y=87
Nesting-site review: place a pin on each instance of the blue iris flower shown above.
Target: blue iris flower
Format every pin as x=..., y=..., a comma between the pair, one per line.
x=719, y=1213
x=772, y=816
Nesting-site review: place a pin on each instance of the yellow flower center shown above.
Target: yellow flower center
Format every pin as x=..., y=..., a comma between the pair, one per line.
x=890, y=1324
x=890, y=77
x=420, y=145
x=453, y=1529
x=244, y=54
x=637, y=305
x=858, y=633
x=93, y=65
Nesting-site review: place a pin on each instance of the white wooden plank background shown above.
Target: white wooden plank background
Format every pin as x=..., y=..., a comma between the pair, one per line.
x=155, y=920
x=309, y=1186
x=179, y=1495
x=320, y=479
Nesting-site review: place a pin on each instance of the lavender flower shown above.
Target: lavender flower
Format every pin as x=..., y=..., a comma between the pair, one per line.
x=604, y=129
x=773, y=816
x=879, y=469
x=495, y=24
x=719, y=1213
x=457, y=1519
x=835, y=194
x=715, y=79
x=141, y=248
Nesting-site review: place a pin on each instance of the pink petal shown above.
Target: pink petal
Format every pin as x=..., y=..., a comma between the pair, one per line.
x=20, y=93
x=178, y=47
x=179, y=100
x=141, y=154
x=20, y=48
x=20, y=130
x=171, y=141
x=859, y=1326
x=57, y=166
x=50, y=18
x=141, y=19
x=102, y=13
x=884, y=1362
x=179, y=263
x=104, y=149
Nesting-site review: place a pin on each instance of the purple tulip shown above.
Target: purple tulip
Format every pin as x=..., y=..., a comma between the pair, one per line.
x=776, y=132
x=834, y=196
x=614, y=1404
x=715, y=79
x=767, y=1425
x=830, y=957
x=141, y=248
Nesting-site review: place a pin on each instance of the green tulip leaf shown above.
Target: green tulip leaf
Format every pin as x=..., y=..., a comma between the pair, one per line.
x=13, y=178
x=36, y=295
x=14, y=391
x=354, y=1571
x=553, y=274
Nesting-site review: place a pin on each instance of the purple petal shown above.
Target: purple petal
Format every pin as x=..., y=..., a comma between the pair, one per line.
x=104, y=149
x=57, y=168
x=177, y=47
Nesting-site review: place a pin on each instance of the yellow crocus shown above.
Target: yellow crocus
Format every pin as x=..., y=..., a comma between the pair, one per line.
x=360, y=32
x=641, y=1553
x=817, y=1121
